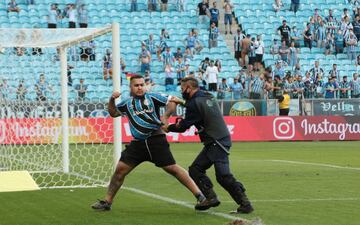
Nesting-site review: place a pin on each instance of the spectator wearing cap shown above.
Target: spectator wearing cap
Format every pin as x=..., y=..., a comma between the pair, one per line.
x=212, y=73
x=344, y=88
x=294, y=5
x=330, y=88
x=284, y=31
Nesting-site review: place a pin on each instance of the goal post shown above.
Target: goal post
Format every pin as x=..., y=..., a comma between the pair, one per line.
x=36, y=148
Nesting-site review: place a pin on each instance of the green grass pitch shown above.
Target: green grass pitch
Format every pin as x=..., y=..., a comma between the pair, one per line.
x=290, y=183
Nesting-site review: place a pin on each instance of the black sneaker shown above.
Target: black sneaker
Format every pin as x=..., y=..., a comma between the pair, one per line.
x=245, y=209
x=225, y=32
x=231, y=33
x=101, y=205
x=207, y=203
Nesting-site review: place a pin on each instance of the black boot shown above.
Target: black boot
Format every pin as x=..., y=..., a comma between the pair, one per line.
x=210, y=201
x=245, y=205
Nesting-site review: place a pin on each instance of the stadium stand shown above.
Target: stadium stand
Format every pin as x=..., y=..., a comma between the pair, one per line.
x=255, y=18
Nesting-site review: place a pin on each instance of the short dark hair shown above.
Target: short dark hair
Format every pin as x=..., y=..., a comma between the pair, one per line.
x=136, y=76
x=191, y=81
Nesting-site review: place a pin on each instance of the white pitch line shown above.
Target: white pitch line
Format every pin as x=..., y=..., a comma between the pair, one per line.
x=181, y=203
x=314, y=164
x=170, y=200
x=301, y=200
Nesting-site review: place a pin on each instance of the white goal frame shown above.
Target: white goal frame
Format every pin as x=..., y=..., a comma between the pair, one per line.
x=62, y=46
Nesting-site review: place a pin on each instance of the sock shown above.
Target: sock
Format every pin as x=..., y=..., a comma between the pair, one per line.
x=200, y=197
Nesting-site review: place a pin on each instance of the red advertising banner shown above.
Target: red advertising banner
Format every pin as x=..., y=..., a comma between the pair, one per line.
x=257, y=128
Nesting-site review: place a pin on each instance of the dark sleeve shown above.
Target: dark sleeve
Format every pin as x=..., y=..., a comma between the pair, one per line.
x=192, y=117
x=280, y=98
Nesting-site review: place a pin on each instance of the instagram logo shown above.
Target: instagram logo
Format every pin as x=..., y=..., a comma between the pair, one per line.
x=2, y=131
x=284, y=128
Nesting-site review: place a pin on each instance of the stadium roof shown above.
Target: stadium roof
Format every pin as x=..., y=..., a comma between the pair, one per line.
x=47, y=38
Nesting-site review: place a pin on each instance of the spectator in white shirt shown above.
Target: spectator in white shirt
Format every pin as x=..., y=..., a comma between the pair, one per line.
x=212, y=73
x=53, y=16
x=259, y=49
x=71, y=13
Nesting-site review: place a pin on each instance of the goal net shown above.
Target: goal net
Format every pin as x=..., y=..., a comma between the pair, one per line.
x=54, y=89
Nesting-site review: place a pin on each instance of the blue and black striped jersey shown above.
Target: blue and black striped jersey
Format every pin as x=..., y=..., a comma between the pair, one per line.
x=143, y=113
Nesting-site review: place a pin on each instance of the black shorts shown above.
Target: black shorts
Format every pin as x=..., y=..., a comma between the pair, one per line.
x=154, y=149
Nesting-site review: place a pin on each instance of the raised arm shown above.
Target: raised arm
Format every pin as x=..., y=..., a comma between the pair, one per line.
x=112, y=107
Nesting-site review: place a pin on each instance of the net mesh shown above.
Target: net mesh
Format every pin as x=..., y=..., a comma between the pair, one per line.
x=30, y=106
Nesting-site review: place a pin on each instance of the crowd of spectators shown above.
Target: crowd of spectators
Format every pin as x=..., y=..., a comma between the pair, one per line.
x=254, y=80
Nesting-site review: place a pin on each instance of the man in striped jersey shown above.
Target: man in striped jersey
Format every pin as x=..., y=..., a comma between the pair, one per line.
x=355, y=86
x=149, y=143
x=256, y=87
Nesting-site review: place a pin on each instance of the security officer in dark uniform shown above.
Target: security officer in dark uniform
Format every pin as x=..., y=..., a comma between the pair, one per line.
x=202, y=111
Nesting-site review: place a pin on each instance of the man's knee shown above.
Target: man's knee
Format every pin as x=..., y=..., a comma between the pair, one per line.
x=225, y=180
x=123, y=169
x=194, y=171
